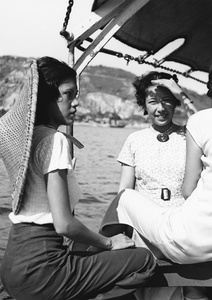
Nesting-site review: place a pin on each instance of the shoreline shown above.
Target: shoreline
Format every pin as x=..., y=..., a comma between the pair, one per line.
x=96, y=124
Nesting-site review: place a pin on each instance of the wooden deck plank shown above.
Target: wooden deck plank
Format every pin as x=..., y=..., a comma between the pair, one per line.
x=171, y=274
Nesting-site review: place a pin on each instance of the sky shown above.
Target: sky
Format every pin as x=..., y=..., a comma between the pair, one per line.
x=30, y=28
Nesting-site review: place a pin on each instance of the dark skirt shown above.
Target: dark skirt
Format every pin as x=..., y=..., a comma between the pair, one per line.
x=37, y=265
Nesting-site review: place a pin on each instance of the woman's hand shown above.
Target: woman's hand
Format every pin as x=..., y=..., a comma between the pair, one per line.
x=176, y=90
x=169, y=84
x=121, y=241
x=67, y=225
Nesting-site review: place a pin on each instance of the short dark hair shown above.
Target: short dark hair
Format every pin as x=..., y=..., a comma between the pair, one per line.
x=209, y=83
x=141, y=83
x=51, y=73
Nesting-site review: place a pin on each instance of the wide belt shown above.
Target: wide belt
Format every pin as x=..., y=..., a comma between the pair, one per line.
x=165, y=194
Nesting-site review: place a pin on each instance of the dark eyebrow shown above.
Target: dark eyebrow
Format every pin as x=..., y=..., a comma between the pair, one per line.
x=151, y=99
x=70, y=90
x=167, y=98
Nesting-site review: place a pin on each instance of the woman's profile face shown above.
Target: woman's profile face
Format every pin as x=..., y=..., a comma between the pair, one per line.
x=62, y=111
x=160, y=105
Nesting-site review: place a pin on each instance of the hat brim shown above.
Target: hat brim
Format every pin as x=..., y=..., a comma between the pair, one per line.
x=16, y=132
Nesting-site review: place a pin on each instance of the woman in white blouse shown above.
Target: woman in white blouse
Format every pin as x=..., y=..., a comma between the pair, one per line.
x=153, y=163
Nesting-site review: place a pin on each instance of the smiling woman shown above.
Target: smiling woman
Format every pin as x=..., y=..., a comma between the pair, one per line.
x=160, y=105
x=179, y=231
x=153, y=159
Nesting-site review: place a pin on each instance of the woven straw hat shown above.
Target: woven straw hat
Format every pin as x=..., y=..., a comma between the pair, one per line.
x=16, y=129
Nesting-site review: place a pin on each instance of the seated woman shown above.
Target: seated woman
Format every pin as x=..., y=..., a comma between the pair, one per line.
x=153, y=159
x=36, y=264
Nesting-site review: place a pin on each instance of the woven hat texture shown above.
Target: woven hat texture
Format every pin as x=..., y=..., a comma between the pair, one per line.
x=16, y=129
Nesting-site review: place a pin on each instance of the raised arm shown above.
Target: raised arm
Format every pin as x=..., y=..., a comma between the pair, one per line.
x=193, y=165
x=176, y=90
x=68, y=225
x=127, y=180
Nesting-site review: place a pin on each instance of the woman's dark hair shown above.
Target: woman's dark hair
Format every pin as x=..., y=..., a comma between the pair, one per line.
x=141, y=83
x=51, y=73
x=209, y=83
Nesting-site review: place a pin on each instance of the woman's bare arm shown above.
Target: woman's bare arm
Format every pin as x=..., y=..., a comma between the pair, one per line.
x=127, y=180
x=193, y=166
x=68, y=225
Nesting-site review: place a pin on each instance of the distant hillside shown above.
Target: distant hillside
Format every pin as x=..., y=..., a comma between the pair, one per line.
x=105, y=93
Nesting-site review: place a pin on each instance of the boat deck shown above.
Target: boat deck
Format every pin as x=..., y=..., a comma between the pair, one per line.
x=171, y=274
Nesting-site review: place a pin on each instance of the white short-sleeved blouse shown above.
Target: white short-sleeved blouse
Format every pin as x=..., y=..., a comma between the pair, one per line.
x=157, y=164
x=50, y=151
x=193, y=220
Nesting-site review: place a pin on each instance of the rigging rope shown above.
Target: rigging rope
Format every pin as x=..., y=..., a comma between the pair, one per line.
x=140, y=59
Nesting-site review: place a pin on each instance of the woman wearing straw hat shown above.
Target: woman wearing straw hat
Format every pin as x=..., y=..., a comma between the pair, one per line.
x=37, y=265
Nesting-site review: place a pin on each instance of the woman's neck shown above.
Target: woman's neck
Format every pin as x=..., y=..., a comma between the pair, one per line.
x=52, y=124
x=162, y=128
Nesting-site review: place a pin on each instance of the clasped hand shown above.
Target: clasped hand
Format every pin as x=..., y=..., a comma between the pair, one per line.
x=119, y=241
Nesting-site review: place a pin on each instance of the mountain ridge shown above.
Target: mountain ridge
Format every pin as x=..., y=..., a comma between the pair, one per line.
x=105, y=93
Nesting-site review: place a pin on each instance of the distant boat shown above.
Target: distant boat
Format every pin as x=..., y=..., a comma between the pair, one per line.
x=117, y=123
